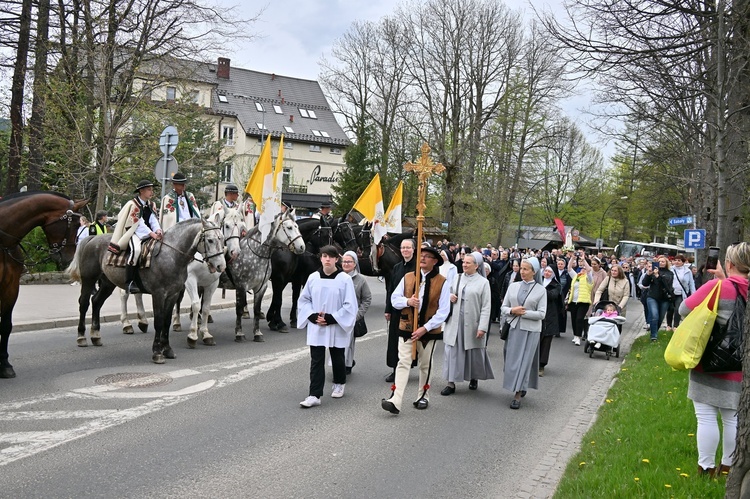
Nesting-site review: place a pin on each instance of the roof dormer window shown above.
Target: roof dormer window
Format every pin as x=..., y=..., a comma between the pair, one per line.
x=316, y=133
x=312, y=114
x=259, y=107
x=303, y=113
x=277, y=109
x=223, y=98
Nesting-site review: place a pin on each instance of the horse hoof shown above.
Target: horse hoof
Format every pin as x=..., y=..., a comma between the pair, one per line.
x=177, y=327
x=142, y=327
x=283, y=329
x=191, y=342
x=209, y=341
x=293, y=324
x=273, y=326
x=82, y=342
x=169, y=353
x=245, y=315
x=7, y=372
x=258, y=338
x=158, y=358
x=239, y=338
x=210, y=319
x=97, y=342
x=127, y=330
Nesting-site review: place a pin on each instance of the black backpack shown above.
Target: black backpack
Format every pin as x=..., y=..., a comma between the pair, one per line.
x=724, y=349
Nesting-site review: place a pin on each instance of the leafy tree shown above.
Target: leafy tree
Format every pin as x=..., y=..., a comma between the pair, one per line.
x=361, y=166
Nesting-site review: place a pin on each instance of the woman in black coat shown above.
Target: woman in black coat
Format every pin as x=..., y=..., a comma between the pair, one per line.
x=549, y=327
x=660, y=282
x=563, y=278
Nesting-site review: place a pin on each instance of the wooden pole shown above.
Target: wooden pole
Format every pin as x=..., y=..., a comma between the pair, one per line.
x=424, y=169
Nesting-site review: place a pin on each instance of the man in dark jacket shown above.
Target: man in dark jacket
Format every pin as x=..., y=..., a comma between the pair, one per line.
x=399, y=270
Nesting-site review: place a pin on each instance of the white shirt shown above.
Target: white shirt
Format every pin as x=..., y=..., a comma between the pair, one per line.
x=399, y=302
x=183, y=208
x=143, y=231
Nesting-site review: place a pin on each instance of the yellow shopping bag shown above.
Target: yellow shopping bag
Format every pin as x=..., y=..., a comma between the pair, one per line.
x=689, y=340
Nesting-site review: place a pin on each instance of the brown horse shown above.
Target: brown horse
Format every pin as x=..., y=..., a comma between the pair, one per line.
x=58, y=216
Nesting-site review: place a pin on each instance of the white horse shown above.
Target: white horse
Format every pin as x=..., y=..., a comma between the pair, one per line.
x=233, y=228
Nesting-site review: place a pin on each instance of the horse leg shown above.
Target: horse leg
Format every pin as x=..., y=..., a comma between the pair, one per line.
x=6, y=325
x=176, y=325
x=257, y=301
x=105, y=290
x=170, y=303
x=127, y=328
x=240, y=302
x=83, y=307
x=208, y=293
x=141, y=313
x=162, y=317
x=296, y=289
x=195, y=305
x=274, y=310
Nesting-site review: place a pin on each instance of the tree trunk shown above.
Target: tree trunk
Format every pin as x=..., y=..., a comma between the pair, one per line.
x=38, y=106
x=16, y=100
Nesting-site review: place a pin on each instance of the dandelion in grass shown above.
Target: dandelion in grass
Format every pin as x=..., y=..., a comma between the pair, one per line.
x=684, y=475
x=593, y=442
x=609, y=401
x=669, y=393
x=624, y=368
x=637, y=479
x=645, y=461
x=667, y=486
x=691, y=434
x=582, y=463
x=678, y=469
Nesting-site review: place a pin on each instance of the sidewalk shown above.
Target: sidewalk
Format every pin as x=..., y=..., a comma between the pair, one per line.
x=47, y=306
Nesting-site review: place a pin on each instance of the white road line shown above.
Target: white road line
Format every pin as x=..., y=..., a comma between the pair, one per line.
x=39, y=415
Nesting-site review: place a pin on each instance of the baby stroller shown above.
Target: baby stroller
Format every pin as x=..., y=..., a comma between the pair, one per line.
x=604, y=332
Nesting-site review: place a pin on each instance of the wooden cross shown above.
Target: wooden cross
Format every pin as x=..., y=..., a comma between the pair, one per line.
x=424, y=169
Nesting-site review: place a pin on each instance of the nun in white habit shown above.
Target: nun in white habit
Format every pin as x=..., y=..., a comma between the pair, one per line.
x=465, y=333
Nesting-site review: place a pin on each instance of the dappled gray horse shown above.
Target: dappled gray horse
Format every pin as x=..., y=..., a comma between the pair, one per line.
x=164, y=279
x=252, y=269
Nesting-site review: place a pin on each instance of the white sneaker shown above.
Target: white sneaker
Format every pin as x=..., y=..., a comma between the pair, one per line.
x=577, y=341
x=310, y=402
x=338, y=391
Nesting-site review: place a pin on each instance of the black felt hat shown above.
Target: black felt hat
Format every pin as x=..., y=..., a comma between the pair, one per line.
x=325, y=204
x=432, y=251
x=231, y=188
x=143, y=184
x=179, y=178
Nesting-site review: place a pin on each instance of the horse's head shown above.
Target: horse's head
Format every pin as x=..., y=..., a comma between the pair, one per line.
x=233, y=229
x=366, y=243
x=61, y=230
x=343, y=234
x=211, y=246
x=286, y=232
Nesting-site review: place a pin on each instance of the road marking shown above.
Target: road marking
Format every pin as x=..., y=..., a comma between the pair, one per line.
x=26, y=444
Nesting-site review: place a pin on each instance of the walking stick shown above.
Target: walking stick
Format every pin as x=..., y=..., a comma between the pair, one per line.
x=424, y=169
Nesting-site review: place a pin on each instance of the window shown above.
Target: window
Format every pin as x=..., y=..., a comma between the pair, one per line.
x=288, y=129
x=307, y=113
x=223, y=98
x=171, y=93
x=312, y=114
x=314, y=148
x=324, y=134
x=288, y=145
x=261, y=126
x=277, y=109
x=226, y=172
x=195, y=97
x=227, y=133
x=316, y=133
x=259, y=107
x=286, y=175
x=303, y=113
x=335, y=150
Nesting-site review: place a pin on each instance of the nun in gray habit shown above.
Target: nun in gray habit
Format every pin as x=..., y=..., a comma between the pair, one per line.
x=350, y=265
x=525, y=306
x=465, y=333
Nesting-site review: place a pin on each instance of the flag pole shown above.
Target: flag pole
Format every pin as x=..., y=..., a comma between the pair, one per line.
x=424, y=169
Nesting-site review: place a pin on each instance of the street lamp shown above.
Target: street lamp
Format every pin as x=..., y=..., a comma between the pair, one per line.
x=531, y=189
x=601, y=225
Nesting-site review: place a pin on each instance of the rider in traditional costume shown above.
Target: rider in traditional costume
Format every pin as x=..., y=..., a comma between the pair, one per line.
x=231, y=194
x=178, y=204
x=137, y=218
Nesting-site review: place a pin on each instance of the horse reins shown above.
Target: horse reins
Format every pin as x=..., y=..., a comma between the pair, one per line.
x=55, y=248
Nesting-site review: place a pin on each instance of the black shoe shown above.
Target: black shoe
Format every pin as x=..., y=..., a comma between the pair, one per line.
x=448, y=390
x=473, y=384
x=348, y=370
x=389, y=406
x=515, y=404
x=421, y=404
x=390, y=377
x=523, y=393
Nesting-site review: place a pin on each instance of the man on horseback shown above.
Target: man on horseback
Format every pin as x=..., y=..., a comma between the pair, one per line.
x=137, y=218
x=231, y=194
x=178, y=204
x=324, y=213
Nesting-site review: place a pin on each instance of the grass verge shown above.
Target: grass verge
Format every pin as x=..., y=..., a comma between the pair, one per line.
x=643, y=441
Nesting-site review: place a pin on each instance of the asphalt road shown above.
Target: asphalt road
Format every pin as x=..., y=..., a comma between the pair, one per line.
x=225, y=421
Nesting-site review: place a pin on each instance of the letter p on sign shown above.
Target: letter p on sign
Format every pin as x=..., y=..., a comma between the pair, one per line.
x=695, y=238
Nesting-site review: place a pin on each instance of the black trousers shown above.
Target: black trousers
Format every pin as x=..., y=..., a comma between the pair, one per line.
x=318, y=368
x=545, y=343
x=578, y=317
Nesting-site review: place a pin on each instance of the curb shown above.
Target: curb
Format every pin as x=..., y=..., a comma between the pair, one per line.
x=543, y=480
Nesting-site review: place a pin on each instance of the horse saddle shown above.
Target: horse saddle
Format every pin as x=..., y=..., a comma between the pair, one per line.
x=121, y=259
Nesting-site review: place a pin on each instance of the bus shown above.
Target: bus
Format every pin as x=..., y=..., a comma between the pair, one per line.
x=625, y=249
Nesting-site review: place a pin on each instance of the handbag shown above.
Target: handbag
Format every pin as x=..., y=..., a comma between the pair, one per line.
x=724, y=349
x=506, y=325
x=360, y=328
x=689, y=340
x=605, y=293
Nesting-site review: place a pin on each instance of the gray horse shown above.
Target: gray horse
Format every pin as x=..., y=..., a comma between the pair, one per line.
x=252, y=268
x=164, y=279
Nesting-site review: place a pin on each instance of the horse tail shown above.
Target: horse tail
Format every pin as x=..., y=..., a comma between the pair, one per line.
x=74, y=268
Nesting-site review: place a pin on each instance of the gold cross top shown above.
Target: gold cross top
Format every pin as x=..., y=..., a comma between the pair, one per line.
x=424, y=169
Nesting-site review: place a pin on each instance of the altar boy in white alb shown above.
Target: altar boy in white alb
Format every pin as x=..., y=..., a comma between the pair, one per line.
x=328, y=308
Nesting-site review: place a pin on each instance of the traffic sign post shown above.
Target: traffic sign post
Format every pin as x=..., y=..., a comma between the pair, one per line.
x=695, y=238
x=166, y=167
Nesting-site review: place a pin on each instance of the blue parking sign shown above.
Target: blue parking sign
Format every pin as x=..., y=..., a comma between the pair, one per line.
x=695, y=238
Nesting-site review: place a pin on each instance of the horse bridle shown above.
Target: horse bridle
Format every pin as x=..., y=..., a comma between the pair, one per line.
x=203, y=239
x=346, y=241
x=67, y=217
x=290, y=244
